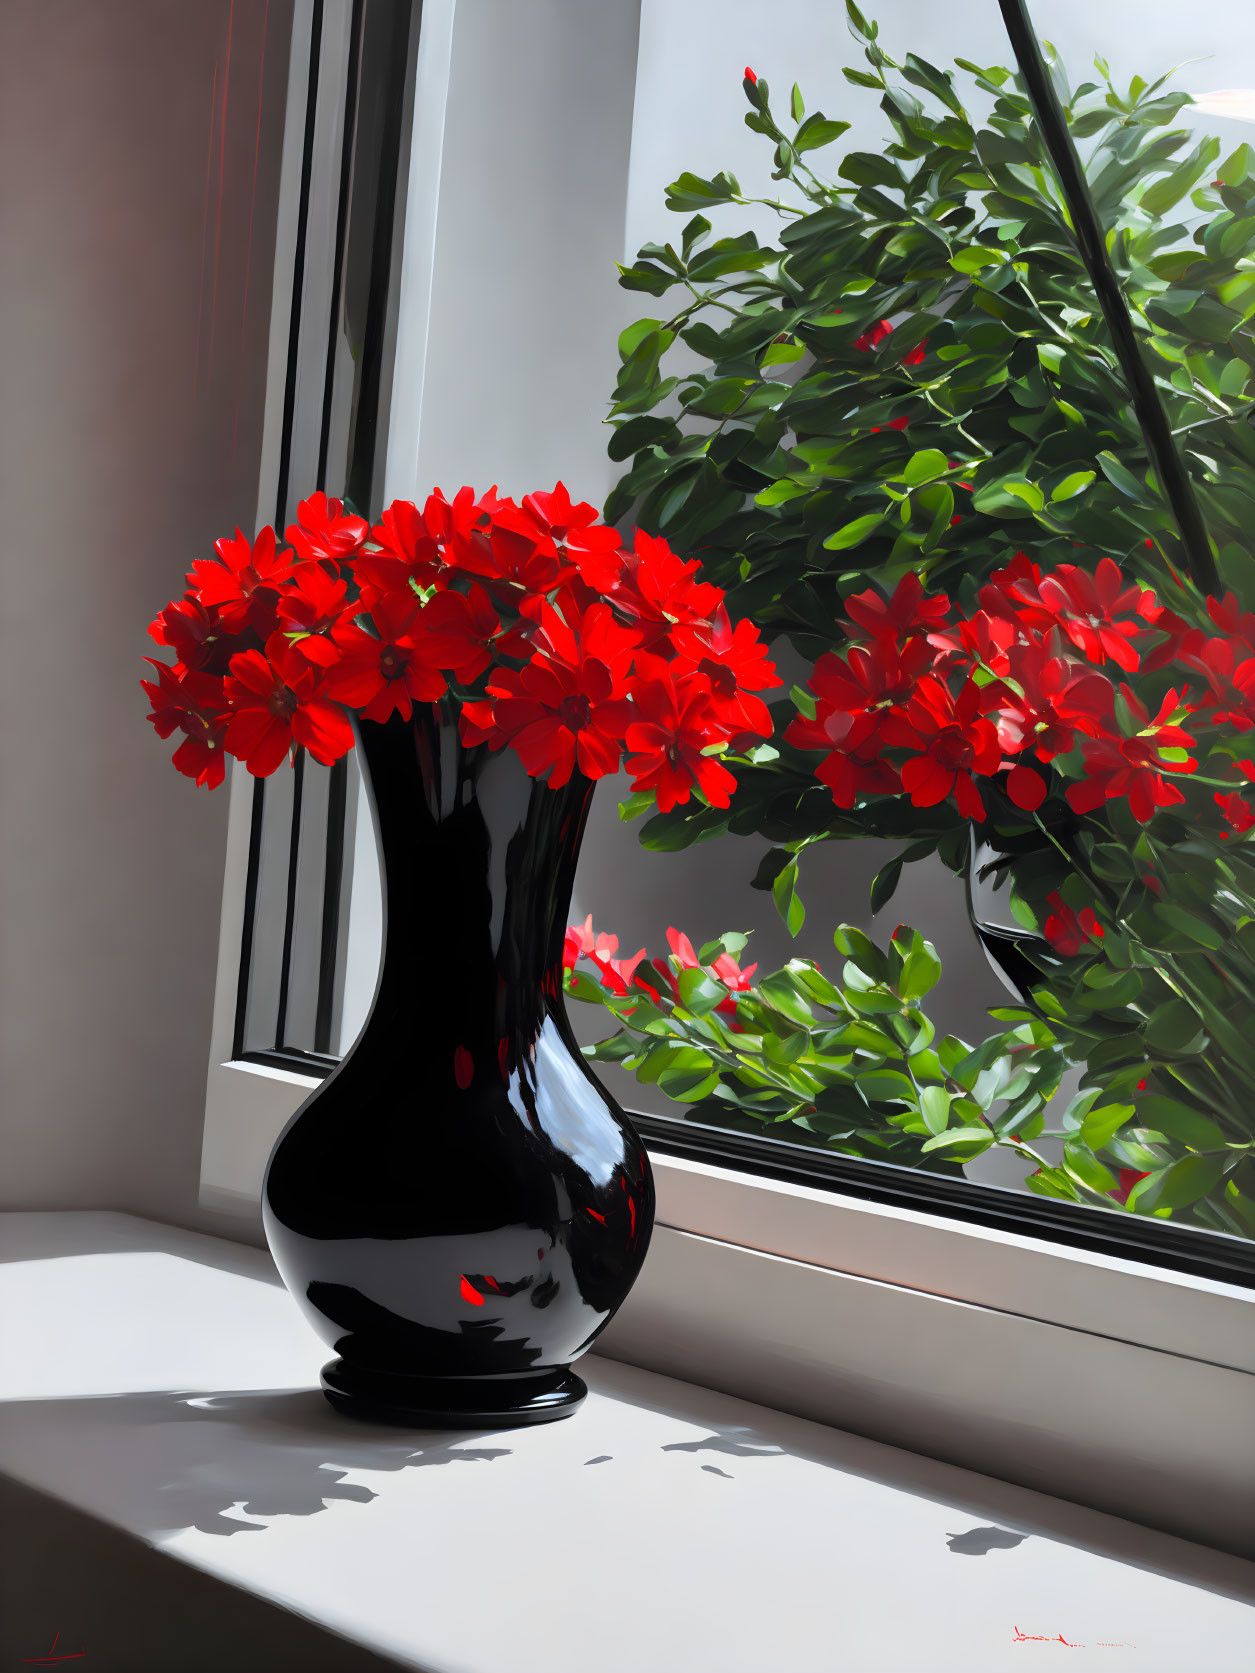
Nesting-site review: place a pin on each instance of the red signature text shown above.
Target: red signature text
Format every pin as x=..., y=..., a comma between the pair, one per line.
x=1019, y=1637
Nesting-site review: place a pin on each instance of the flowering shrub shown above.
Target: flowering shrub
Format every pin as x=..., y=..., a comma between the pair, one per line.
x=851, y=1063
x=551, y=637
x=875, y=411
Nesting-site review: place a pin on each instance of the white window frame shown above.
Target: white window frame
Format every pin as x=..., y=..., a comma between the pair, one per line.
x=1126, y=1386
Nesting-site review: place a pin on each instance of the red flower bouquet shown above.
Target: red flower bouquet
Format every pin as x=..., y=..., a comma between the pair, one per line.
x=553, y=638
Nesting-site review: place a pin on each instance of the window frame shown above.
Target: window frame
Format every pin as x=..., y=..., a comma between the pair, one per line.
x=1079, y=1274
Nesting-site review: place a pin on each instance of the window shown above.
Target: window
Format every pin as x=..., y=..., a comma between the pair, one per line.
x=779, y=1270
x=310, y=908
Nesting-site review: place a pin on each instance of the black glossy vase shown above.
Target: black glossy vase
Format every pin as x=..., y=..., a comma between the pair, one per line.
x=460, y=1208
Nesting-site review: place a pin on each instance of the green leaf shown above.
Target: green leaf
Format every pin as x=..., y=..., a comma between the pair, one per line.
x=817, y=131
x=1237, y=166
x=862, y=952
x=1072, y=485
x=638, y=802
x=855, y=533
x=782, y=354
x=924, y=467
x=1121, y=477
x=780, y=493
x=884, y=884
x=796, y=103
x=781, y=994
x=690, y=191
x=1087, y=1169
x=869, y=168
x=934, y=1105
x=1007, y=494
x=788, y=901
x=1179, y=1121
x=1174, y=1028
x=976, y=258
x=1173, y=187
x=920, y=973
x=699, y=993
x=978, y=1138
x=1103, y=1122
x=1187, y=1180
x=1187, y=924
x=920, y=73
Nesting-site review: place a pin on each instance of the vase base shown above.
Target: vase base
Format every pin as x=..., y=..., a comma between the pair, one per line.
x=452, y=1402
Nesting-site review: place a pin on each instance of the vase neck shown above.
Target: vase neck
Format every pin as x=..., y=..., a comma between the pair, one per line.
x=477, y=862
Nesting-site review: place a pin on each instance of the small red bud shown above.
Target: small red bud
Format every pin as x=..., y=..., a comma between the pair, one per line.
x=750, y=76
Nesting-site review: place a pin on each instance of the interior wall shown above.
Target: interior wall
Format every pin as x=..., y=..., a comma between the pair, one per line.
x=138, y=180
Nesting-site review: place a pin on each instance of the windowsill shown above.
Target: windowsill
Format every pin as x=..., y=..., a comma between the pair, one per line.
x=1063, y=1370
x=164, y=1384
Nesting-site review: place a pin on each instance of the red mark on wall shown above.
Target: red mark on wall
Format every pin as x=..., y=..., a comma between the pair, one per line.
x=44, y=1661
x=204, y=228
x=222, y=163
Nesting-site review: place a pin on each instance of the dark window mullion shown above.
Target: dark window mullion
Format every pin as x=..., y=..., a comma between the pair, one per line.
x=289, y=916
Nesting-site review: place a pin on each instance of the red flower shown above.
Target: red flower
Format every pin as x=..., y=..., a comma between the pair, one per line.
x=1088, y=607
x=735, y=662
x=750, y=76
x=660, y=591
x=1236, y=809
x=511, y=551
x=323, y=533
x=388, y=675
x=682, y=949
x=194, y=633
x=953, y=741
x=851, y=697
x=595, y=548
x=582, y=940
x=873, y=335
x=191, y=703
x=1013, y=592
x=459, y=630
x=408, y=561
x=986, y=639
x=1134, y=767
x=618, y=975
x=560, y=714
x=1232, y=621
x=243, y=582
x=1230, y=678
x=666, y=743
x=1068, y=931
x=1045, y=700
x=730, y=973
x=917, y=355
x=312, y=602
x=906, y=613
x=276, y=702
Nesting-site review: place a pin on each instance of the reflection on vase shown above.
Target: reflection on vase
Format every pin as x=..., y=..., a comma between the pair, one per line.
x=1018, y=956
x=460, y=1208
